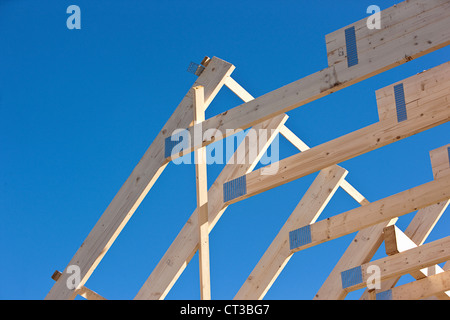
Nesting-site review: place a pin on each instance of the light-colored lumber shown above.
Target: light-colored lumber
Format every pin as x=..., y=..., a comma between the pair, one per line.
x=407, y=44
x=420, y=289
x=434, y=110
x=238, y=90
x=395, y=242
x=401, y=23
x=372, y=294
x=424, y=87
x=355, y=194
x=367, y=242
x=376, y=212
x=361, y=250
x=278, y=254
x=89, y=294
x=271, y=270
x=292, y=138
x=300, y=145
x=402, y=263
x=425, y=219
x=138, y=183
x=440, y=163
x=202, y=200
x=444, y=294
x=183, y=248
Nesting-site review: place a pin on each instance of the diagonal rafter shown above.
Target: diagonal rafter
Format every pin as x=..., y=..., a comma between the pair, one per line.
x=185, y=245
x=138, y=184
x=278, y=254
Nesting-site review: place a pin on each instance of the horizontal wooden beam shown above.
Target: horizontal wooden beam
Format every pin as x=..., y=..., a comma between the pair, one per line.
x=402, y=44
x=89, y=294
x=368, y=240
x=278, y=254
x=424, y=113
x=366, y=243
x=395, y=242
x=417, y=258
x=376, y=212
x=420, y=289
x=424, y=220
x=361, y=250
x=401, y=24
x=301, y=146
x=138, y=184
x=185, y=245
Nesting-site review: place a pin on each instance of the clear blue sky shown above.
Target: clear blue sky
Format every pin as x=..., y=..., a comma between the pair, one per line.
x=78, y=109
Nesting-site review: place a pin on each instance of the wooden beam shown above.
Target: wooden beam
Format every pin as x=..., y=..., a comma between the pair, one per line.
x=185, y=245
x=424, y=113
x=355, y=194
x=400, y=24
x=360, y=250
x=278, y=254
x=425, y=219
x=89, y=294
x=443, y=294
x=376, y=212
x=424, y=222
x=372, y=295
x=395, y=242
x=420, y=289
x=440, y=161
x=292, y=138
x=393, y=266
x=238, y=90
x=202, y=200
x=82, y=291
x=400, y=44
x=300, y=145
x=367, y=242
x=411, y=93
x=138, y=183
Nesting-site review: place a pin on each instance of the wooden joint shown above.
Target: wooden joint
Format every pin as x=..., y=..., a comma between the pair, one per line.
x=56, y=275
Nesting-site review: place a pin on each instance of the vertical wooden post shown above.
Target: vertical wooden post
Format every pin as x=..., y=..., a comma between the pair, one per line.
x=202, y=198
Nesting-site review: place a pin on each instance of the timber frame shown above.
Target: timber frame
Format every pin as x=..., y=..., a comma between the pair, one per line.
x=409, y=30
